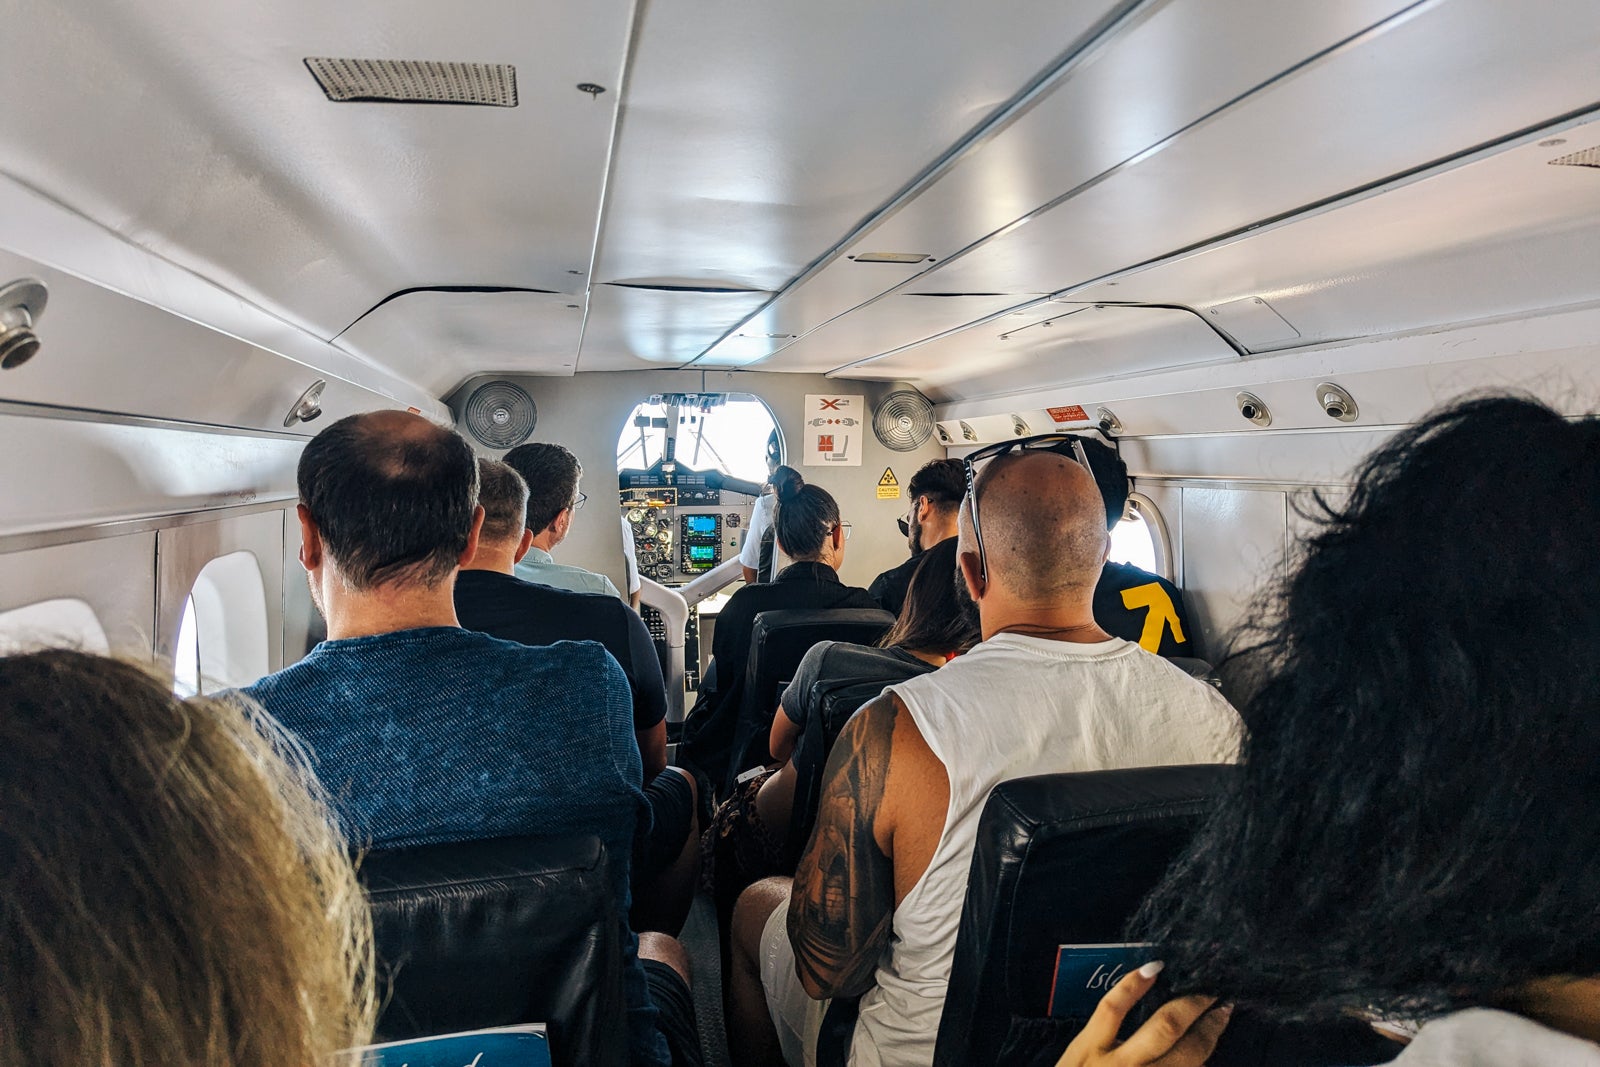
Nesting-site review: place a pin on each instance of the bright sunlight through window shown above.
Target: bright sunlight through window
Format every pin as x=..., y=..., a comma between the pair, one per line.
x=1132, y=541
x=730, y=435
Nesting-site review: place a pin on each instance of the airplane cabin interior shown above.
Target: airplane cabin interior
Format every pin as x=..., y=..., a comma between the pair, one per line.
x=1242, y=242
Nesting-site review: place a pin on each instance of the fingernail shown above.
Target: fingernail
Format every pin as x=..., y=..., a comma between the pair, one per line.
x=1225, y=1011
x=1151, y=969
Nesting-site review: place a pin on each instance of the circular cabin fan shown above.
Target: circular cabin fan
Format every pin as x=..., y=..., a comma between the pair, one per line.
x=501, y=415
x=903, y=421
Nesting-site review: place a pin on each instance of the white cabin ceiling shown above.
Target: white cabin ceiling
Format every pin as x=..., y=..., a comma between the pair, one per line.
x=1048, y=157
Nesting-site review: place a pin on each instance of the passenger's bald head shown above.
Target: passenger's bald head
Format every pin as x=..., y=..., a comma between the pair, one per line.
x=1044, y=527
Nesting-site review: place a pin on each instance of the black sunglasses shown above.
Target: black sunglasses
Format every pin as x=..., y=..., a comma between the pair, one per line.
x=1045, y=442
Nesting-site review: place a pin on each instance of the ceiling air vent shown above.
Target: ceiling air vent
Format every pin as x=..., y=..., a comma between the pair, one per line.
x=415, y=81
x=1588, y=157
x=890, y=257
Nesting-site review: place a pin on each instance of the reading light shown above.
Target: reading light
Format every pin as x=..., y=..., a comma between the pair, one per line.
x=21, y=304
x=1336, y=403
x=1253, y=408
x=309, y=405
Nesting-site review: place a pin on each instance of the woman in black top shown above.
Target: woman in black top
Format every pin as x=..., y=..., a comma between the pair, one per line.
x=810, y=532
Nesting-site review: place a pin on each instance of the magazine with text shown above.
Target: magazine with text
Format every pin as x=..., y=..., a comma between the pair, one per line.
x=502, y=1046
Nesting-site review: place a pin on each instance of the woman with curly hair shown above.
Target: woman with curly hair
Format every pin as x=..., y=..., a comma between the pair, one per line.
x=172, y=891
x=1415, y=836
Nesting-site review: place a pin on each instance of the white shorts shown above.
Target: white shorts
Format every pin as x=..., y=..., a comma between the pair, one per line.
x=795, y=1015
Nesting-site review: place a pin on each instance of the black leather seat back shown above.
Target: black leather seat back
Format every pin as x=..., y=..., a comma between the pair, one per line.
x=1061, y=859
x=779, y=640
x=496, y=932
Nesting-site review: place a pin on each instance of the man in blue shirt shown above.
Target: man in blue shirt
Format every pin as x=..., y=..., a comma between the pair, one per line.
x=424, y=732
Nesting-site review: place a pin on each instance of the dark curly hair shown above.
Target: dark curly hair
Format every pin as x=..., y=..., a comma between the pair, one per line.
x=1416, y=827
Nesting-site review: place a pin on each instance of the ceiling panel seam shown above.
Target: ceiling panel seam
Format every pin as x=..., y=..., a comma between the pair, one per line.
x=624, y=79
x=440, y=289
x=1123, y=19
x=1382, y=25
x=1588, y=113
x=383, y=389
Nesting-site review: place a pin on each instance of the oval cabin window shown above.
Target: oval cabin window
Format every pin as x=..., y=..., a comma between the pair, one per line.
x=1140, y=538
x=222, y=638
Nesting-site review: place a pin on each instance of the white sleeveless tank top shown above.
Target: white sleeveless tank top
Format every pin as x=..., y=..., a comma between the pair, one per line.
x=1015, y=706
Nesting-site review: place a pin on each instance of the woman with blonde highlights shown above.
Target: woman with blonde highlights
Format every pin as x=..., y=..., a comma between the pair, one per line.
x=172, y=890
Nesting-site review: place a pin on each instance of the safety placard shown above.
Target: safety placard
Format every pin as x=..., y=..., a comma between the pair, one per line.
x=834, y=429
x=1075, y=413
x=888, y=485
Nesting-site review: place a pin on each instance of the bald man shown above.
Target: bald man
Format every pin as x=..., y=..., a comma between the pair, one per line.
x=876, y=902
x=425, y=733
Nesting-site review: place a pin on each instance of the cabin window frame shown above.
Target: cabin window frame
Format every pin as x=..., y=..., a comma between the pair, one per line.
x=1156, y=526
x=221, y=630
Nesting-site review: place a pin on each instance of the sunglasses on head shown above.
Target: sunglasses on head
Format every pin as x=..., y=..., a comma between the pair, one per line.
x=1045, y=442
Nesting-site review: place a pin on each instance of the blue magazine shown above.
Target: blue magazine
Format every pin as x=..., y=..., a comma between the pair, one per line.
x=1084, y=973
x=505, y=1046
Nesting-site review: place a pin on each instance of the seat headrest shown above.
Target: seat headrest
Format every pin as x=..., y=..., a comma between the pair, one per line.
x=496, y=932
x=850, y=619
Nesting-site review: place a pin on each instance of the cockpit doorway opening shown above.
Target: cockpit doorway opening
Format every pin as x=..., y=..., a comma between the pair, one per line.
x=690, y=468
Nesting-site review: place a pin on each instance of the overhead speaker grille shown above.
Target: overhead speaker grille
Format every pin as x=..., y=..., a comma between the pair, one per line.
x=903, y=421
x=1588, y=157
x=415, y=81
x=501, y=415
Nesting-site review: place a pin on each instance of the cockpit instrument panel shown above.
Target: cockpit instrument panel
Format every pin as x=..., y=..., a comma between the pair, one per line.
x=684, y=522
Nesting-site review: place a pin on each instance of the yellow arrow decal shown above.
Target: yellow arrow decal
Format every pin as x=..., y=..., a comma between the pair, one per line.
x=1161, y=614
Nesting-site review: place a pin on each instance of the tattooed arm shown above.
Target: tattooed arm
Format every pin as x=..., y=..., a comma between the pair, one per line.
x=843, y=897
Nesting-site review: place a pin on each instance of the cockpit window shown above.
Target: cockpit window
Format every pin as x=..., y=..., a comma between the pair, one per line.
x=725, y=432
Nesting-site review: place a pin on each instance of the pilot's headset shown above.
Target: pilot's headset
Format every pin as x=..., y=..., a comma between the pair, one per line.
x=774, y=452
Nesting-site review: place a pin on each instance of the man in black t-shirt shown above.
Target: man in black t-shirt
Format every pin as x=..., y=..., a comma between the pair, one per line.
x=1130, y=602
x=935, y=493
x=491, y=599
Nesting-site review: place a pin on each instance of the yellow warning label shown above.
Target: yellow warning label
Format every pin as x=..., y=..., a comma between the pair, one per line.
x=888, y=485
